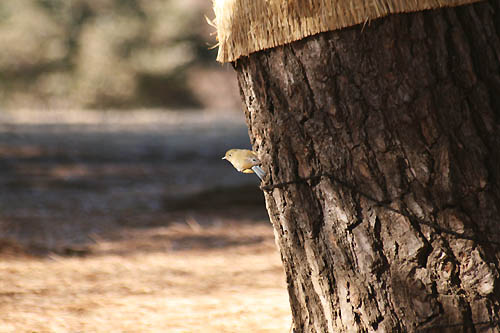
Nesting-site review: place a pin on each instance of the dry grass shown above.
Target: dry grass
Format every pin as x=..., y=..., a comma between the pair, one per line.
x=107, y=224
x=180, y=278
x=246, y=26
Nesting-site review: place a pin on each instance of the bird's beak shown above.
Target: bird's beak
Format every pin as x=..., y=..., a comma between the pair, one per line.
x=224, y=158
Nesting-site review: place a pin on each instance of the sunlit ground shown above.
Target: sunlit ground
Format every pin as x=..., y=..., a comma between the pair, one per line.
x=214, y=287
x=132, y=223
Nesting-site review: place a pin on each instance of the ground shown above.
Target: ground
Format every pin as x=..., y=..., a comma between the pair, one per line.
x=130, y=222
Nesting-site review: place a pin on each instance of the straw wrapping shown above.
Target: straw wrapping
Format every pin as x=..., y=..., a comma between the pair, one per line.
x=246, y=26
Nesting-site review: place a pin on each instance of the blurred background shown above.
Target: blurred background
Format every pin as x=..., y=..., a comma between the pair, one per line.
x=111, y=54
x=116, y=210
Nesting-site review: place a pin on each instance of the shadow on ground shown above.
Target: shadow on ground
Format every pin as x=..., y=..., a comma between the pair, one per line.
x=72, y=180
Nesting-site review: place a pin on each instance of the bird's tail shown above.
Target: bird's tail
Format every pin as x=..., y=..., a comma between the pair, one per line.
x=259, y=172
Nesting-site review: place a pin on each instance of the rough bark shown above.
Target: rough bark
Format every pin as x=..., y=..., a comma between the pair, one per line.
x=382, y=147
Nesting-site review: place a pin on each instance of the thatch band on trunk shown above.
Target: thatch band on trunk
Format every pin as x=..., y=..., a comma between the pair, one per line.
x=246, y=26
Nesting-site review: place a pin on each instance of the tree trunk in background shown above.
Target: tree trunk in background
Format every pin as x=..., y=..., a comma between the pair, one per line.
x=382, y=147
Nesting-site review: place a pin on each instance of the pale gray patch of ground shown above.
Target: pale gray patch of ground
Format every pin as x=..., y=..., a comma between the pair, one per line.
x=87, y=171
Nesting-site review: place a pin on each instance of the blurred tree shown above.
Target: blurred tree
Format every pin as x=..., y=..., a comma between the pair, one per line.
x=382, y=146
x=107, y=53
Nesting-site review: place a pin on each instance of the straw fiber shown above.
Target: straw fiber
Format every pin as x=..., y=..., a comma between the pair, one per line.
x=246, y=26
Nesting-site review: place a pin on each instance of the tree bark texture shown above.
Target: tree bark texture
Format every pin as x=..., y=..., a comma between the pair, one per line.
x=382, y=148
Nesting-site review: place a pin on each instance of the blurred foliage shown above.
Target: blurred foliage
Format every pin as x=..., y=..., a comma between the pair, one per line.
x=102, y=53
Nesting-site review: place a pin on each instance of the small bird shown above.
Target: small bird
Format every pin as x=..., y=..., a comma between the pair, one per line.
x=245, y=161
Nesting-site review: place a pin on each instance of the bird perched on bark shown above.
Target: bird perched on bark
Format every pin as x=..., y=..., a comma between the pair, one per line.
x=245, y=161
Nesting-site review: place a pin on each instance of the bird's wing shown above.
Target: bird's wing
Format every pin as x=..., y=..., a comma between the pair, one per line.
x=252, y=160
x=247, y=170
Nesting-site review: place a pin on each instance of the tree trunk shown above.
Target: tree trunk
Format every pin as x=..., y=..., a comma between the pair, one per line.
x=382, y=148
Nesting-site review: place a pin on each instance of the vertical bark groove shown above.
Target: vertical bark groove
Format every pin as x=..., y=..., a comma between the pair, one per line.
x=382, y=146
